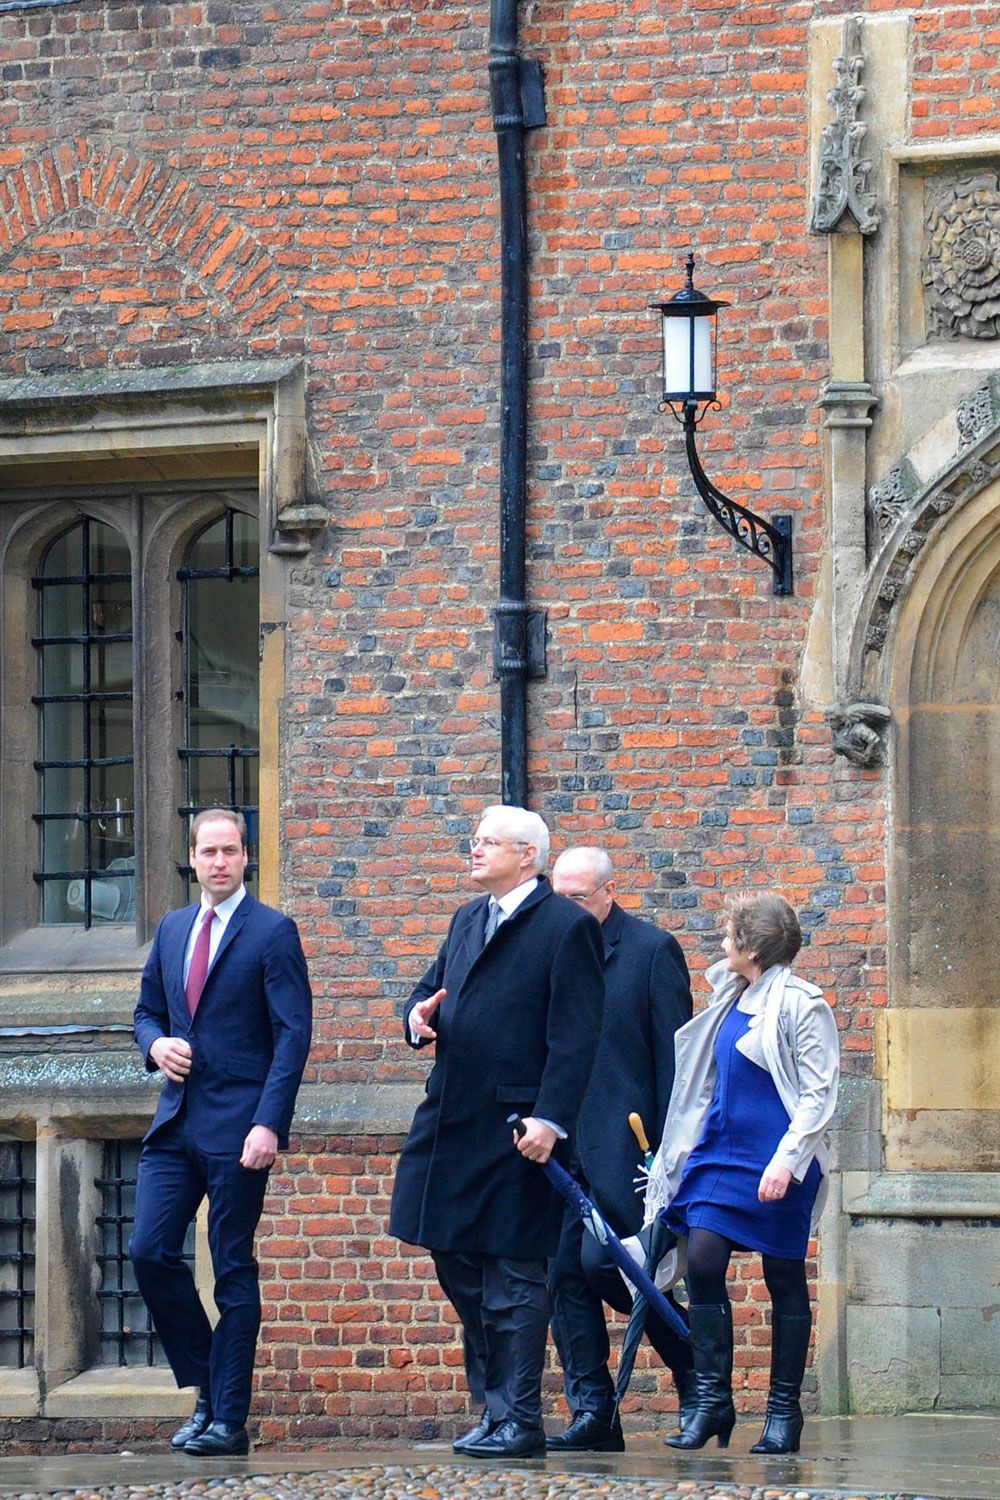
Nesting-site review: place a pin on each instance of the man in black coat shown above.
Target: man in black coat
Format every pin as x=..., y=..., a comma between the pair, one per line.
x=647, y=997
x=513, y=1002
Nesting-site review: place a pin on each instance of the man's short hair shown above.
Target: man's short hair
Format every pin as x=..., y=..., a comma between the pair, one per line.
x=524, y=827
x=763, y=924
x=211, y=813
x=596, y=858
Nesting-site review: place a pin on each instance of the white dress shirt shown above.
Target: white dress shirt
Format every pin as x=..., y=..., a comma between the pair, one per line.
x=511, y=900
x=223, y=912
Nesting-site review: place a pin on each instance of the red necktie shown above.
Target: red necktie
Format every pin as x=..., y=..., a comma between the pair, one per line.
x=198, y=972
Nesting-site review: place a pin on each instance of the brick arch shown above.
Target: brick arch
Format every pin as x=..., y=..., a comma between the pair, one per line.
x=156, y=200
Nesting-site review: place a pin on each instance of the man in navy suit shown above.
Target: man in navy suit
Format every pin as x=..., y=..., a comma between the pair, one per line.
x=647, y=997
x=513, y=1002
x=225, y=1014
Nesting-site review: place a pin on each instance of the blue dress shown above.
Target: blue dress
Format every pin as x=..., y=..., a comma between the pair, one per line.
x=745, y=1122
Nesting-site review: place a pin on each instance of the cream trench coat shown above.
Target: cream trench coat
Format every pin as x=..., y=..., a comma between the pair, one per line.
x=794, y=1036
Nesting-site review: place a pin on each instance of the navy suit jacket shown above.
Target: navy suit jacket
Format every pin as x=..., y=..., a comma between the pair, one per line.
x=251, y=1031
x=647, y=996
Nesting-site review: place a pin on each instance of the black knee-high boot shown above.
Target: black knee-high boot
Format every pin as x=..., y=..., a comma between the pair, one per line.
x=712, y=1345
x=789, y=1348
x=686, y=1385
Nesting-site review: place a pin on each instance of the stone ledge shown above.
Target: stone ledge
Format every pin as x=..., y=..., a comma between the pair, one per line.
x=210, y=379
x=356, y=1109
x=129, y=1393
x=926, y=1195
x=19, y=1394
x=106, y=1093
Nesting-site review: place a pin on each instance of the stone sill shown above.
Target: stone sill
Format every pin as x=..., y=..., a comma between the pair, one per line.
x=19, y=1395
x=131, y=1393
x=922, y=1195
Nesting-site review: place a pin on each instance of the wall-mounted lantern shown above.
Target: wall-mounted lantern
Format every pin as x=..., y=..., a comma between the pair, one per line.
x=689, y=344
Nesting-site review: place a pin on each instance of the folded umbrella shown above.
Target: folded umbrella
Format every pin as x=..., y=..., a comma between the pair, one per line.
x=659, y=1240
x=599, y=1227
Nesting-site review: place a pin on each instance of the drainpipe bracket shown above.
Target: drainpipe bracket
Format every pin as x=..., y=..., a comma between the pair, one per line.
x=532, y=93
x=517, y=654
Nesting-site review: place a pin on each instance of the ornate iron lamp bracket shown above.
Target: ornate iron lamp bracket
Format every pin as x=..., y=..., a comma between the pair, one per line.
x=769, y=540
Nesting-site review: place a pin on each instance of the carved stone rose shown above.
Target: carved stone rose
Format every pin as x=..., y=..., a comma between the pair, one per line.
x=961, y=269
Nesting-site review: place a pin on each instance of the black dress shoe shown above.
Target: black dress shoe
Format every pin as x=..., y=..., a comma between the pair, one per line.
x=195, y=1424
x=509, y=1441
x=482, y=1429
x=220, y=1440
x=587, y=1433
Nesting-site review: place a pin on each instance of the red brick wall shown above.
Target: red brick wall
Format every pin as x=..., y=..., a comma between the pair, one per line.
x=357, y=1338
x=210, y=181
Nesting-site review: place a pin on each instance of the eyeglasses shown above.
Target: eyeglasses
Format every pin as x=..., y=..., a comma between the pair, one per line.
x=583, y=896
x=488, y=844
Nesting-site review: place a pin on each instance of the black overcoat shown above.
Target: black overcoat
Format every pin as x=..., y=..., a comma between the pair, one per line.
x=647, y=996
x=517, y=1032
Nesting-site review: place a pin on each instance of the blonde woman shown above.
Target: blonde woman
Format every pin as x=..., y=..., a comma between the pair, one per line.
x=744, y=1158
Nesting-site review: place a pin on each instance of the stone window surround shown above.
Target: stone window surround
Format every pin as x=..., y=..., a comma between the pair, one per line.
x=66, y=1380
x=158, y=524
x=93, y=424
x=71, y=1102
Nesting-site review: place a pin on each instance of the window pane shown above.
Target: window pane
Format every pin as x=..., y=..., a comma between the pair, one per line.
x=127, y=1336
x=84, y=644
x=221, y=628
x=17, y=1253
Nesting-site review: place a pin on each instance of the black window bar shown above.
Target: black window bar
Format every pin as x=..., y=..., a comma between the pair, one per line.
x=88, y=815
x=127, y=1334
x=17, y=1253
x=240, y=759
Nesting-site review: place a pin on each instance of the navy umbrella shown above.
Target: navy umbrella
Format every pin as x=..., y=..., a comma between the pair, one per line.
x=599, y=1227
x=659, y=1241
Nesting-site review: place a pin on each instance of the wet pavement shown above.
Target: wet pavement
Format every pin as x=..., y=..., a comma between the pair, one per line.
x=931, y=1457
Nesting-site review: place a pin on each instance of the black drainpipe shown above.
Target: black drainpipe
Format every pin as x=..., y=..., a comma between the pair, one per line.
x=517, y=97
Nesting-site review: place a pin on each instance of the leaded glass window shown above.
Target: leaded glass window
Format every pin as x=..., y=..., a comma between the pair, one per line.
x=17, y=1253
x=221, y=751
x=85, y=766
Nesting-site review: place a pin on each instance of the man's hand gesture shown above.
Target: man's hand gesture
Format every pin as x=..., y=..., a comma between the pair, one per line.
x=421, y=1013
x=172, y=1055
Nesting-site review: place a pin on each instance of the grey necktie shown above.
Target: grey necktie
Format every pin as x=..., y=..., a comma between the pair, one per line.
x=492, y=920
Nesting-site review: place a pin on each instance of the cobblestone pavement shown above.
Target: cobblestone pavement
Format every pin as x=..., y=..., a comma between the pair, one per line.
x=926, y=1456
x=435, y=1482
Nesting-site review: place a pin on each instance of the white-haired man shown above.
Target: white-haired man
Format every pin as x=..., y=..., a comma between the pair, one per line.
x=647, y=996
x=513, y=1003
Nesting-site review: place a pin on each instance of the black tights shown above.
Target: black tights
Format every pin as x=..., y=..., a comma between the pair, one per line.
x=708, y=1262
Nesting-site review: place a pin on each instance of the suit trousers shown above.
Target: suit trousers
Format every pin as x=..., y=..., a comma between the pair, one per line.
x=504, y=1311
x=174, y=1176
x=582, y=1277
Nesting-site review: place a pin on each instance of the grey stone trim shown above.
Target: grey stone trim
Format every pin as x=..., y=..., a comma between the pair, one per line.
x=910, y=511
x=888, y=497
x=935, y=1195
x=94, y=385
x=109, y=1093
x=292, y=505
x=859, y=732
x=848, y=403
x=11, y=5
x=842, y=183
x=961, y=257
x=978, y=412
x=356, y=1109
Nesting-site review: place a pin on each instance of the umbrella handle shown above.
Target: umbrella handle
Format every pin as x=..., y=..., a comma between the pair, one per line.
x=639, y=1131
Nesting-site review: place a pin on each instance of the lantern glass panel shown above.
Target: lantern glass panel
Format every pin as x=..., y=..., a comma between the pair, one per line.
x=687, y=372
